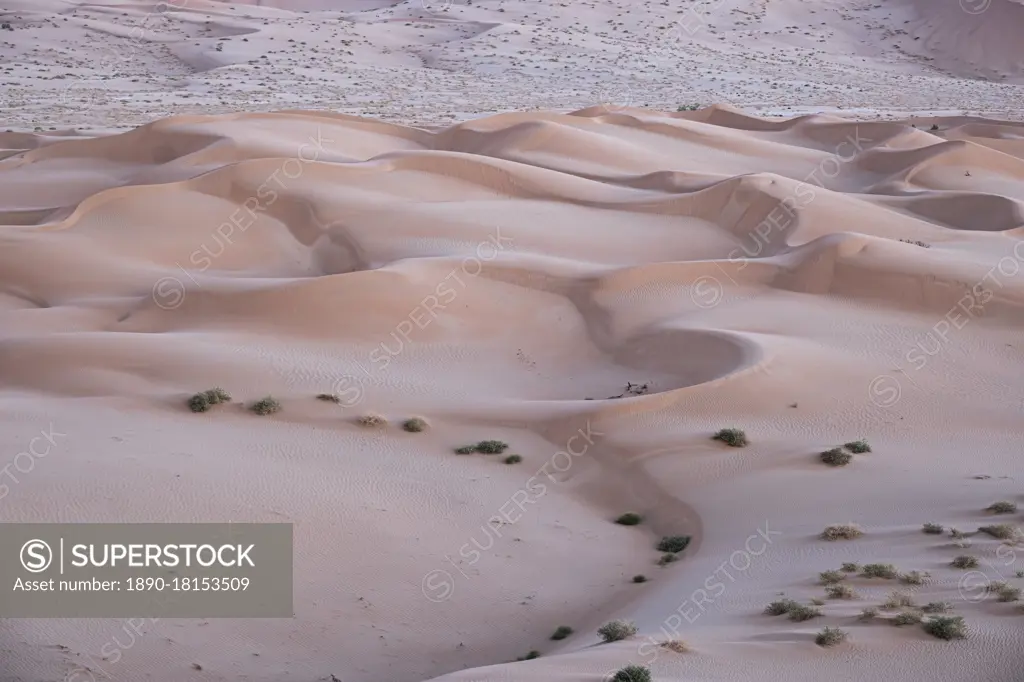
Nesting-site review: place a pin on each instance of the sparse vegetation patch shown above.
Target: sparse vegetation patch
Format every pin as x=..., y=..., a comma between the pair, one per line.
x=266, y=406
x=836, y=457
x=964, y=561
x=616, y=630
x=629, y=519
x=561, y=632
x=830, y=637
x=732, y=437
x=858, y=447
x=673, y=543
x=415, y=425
x=946, y=627
x=633, y=673
x=844, y=531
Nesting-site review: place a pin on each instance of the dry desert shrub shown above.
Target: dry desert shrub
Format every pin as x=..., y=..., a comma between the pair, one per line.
x=932, y=529
x=914, y=578
x=673, y=543
x=843, y=531
x=849, y=567
x=886, y=571
x=1002, y=507
x=629, y=519
x=633, y=673
x=268, y=405
x=781, y=607
x=415, y=425
x=907, y=618
x=964, y=561
x=800, y=613
x=204, y=400
x=830, y=637
x=732, y=437
x=676, y=645
x=830, y=577
x=858, y=447
x=946, y=627
x=898, y=600
x=329, y=398
x=561, y=632
x=937, y=607
x=1001, y=531
x=371, y=420
x=616, y=630
x=840, y=592
x=836, y=457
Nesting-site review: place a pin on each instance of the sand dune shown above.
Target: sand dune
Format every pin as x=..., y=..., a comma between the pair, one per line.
x=812, y=280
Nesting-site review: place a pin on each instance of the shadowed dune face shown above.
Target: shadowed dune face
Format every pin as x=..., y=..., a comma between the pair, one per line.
x=260, y=222
x=516, y=277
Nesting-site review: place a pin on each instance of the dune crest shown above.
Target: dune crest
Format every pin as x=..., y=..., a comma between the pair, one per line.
x=604, y=291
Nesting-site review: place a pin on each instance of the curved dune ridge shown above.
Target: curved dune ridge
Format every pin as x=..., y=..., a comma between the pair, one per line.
x=633, y=278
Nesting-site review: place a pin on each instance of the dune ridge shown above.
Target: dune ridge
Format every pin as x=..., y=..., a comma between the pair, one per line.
x=512, y=277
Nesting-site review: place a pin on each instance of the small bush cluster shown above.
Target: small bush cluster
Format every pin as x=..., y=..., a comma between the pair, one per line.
x=886, y=571
x=268, y=405
x=898, y=600
x=639, y=578
x=840, y=592
x=800, y=613
x=633, y=673
x=907, y=618
x=1002, y=507
x=616, y=630
x=830, y=637
x=530, y=656
x=1004, y=592
x=849, y=567
x=781, y=607
x=204, y=400
x=836, y=457
x=858, y=447
x=914, y=578
x=868, y=614
x=676, y=645
x=1000, y=531
x=561, y=632
x=513, y=459
x=830, y=577
x=371, y=420
x=329, y=398
x=732, y=437
x=937, y=607
x=415, y=425
x=964, y=561
x=484, y=447
x=667, y=558
x=673, y=543
x=629, y=519
x=946, y=627
x=845, y=531
x=932, y=529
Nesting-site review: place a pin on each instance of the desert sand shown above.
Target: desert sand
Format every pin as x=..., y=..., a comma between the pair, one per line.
x=603, y=287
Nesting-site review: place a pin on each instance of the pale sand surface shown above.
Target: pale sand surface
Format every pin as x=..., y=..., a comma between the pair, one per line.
x=491, y=277
x=118, y=63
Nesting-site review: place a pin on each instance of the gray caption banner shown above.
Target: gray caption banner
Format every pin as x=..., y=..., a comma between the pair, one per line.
x=158, y=570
